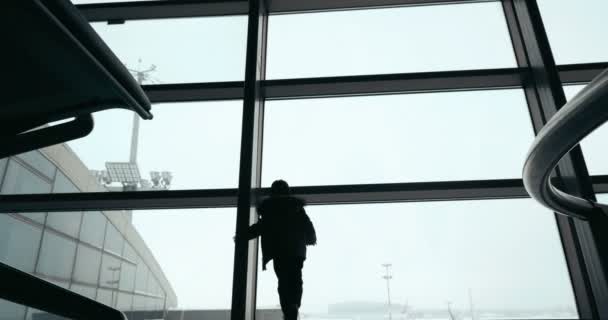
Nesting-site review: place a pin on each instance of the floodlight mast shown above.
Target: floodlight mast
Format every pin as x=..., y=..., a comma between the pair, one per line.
x=388, y=278
x=140, y=76
x=158, y=180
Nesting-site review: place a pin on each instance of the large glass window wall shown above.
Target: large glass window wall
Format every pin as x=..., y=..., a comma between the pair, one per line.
x=471, y=259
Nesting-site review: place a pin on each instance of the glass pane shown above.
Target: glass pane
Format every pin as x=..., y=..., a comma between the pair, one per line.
x=110, y=272
x=34, y=314
x=38, y=162
x=11, y=311
x=107, y=297
x=197, y=281
x=129, y=253
x=3, y=163
x=39, y=217
x=141, y=278
x=19, y=243
x=575, y=30
x=86, y=291
x=114, y=240
x=66, y=222
x=397, y=138
x=139, y=303
x=56, y=256
x=88, y=261
x=502, y=258
x=180, y=50
x=20, y=239
x=93, y=228
x=127, y=276
x=391, y=40
x=19, y=179
x=594, y=145
x=125, y=302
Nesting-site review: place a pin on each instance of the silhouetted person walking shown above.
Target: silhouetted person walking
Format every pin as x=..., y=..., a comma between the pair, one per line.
x=286, y=230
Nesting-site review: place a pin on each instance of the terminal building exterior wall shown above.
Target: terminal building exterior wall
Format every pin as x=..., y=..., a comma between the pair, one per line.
x=97, y=254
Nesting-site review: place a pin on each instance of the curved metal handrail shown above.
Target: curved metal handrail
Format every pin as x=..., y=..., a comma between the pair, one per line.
x=565, y=130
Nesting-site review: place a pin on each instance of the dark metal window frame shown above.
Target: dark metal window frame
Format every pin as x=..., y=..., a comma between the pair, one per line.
x=531, y=49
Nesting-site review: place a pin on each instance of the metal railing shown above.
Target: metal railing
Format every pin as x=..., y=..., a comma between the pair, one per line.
x=25, y=289
x=574, y=121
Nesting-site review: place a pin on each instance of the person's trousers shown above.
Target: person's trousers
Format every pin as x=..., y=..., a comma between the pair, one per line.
x=289, y=274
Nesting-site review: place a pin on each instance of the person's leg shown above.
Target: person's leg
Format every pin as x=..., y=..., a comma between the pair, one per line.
x=293, y=297
x=297, y=276
x=283, y=285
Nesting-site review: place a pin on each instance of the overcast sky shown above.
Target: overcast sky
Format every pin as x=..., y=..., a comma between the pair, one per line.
x=507, y=252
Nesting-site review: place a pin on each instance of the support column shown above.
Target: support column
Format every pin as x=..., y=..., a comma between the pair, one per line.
x=245, y=253
x=583, y=243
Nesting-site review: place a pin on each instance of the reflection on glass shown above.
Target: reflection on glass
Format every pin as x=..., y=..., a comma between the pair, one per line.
x=180, y=50
x=500, y=258
x=575, y=29
x=397, y=138
x=391, y=40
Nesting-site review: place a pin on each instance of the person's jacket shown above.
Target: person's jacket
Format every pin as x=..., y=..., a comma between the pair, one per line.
x=285, y=228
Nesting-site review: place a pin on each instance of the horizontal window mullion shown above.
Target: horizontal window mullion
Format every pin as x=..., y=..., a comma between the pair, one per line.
x=194, y=92
x=393, y=192
x=134, y=10
x=394, y=83
x=365, y=85
x=580, y=73
x=342, y=86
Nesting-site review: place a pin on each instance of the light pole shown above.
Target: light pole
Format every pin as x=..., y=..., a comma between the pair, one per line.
x=471, y=307
x=388, y=278
x=141, y=76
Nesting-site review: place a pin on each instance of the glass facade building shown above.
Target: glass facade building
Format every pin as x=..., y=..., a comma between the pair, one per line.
x=404, y=124
x=99, y=255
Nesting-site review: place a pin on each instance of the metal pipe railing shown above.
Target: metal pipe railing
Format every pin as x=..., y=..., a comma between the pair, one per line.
x=25, y=289
x=574, y=121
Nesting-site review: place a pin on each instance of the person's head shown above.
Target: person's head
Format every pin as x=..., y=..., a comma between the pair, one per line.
x=279, y=188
